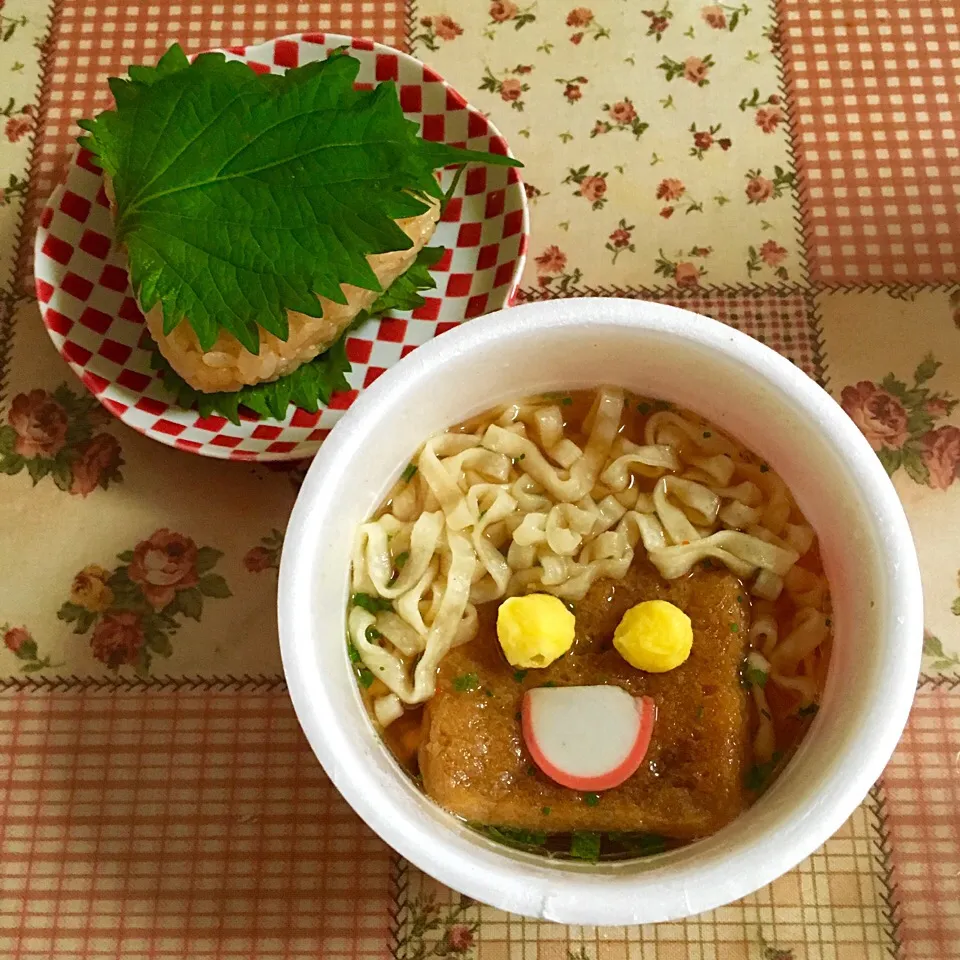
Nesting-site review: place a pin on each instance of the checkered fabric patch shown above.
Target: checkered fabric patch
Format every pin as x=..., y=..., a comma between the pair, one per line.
x=91, y=42
x=94, y=321
x=923, y=790
x=829, y=907
x=781, y=322
x=179, y=825
x=876, y=93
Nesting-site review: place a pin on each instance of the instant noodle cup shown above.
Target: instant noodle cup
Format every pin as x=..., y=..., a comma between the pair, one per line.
x=749, y=392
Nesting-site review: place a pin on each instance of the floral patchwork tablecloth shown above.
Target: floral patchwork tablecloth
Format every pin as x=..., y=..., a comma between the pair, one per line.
x=792, y=169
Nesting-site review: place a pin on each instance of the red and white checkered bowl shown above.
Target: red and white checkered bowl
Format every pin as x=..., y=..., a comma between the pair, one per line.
x=89, y=310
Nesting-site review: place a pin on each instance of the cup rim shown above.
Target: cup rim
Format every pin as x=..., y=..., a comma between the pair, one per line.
x=599, y=894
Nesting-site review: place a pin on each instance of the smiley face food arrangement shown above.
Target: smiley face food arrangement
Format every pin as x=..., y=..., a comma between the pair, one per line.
x=590, y=624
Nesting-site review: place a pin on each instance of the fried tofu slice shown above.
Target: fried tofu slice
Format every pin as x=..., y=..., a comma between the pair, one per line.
x=229, y=366
x=690, y=784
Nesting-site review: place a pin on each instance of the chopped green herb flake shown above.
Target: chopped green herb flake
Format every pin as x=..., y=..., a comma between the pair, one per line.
x=531, y=769
x=522, y=456
x=808, y=710
x=488, y=691
x=566, y=401
x=409, y=472
x=353, y=653
x=643, y=408
x=828, y=622
x=365, y=677
x=370, y=603
x=518, y=716
x=373, y=635
x=545, y=811
x=739, y=598
x=757, y=678
x=707, y=434
x=466, y=682
x=639, y=844
x=512, y=836
x=700, y=712
x=591, y=799
x=758, y=776
x=401, y=559
x=518, y=675
x=585, y=846
x=707, y=564
x=734, y=628
x=549, y=683
x=764, y=468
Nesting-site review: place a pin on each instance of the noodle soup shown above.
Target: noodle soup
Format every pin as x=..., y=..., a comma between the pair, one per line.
x=670, y=544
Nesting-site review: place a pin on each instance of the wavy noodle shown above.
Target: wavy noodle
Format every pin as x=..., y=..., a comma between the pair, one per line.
x=405, y=637
x=746, y=493
x=649, y=461
x=805, y=686
x=512, y=505
x=799, y=537
x=442, y=485
x=806, y=589
x=565, y=453
x=408, y=605
x=671, y=428
x=405, y=504
x=738, y=516
x=387, y=709
x=702, y=504
x=719, y=468
x=765, y=737
x=767, y=585
x=478, y=462
x=809, y=631
x=584, y=472
x=763, y=628
x=645, y=527
x=549, y=422
x=739, y=551
x=384, y=664
x=529, y=495
x=494, y=569
x=609, y=511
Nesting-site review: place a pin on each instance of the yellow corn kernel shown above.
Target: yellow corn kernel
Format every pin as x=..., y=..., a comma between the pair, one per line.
x=654, y=636
x=534, y=630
